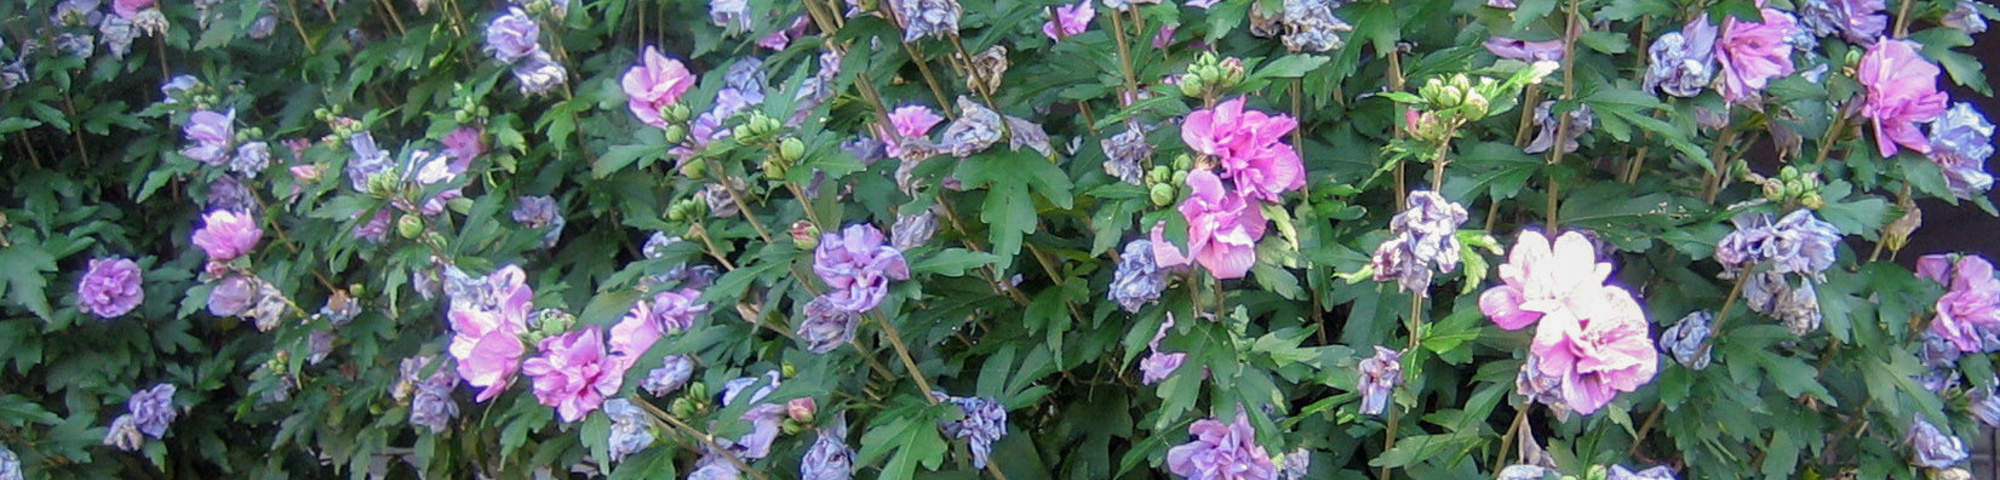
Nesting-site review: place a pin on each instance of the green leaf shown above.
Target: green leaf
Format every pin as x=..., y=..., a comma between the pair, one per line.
x=953, y=262
x=908, y=441
x=620, y=156
x=23, y=266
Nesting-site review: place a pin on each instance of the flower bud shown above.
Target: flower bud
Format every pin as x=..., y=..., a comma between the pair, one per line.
x=1475, y=106
x=676, y=113
x=1182, y=162
x=1192, y=85
x=676, y=133
x=695, y=169
x=1163, y=194
x=383, y=183
x=774, y=168
x=802, y=409
x=681, y=407
x=1230, y=72
x=806, y=236
x=410, y=226
x=791, y=149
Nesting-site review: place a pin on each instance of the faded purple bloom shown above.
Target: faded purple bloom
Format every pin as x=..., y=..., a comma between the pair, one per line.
x=77, y=13
x=1309, y=26
x=80, y=45
x=829, y=458
x=513, y=36
x=1541, y=387
x=674, y=372
x=976, y=129
x=1070, y=20
x=1938, y=352
x=1138, y=279
x=1902, y=92
x=117, y=34
x=1579, y=121
x=629, y=430
x=541, y=211
x=111, y=287
x=228, y=193
x=376, y=229
x=431, y=405
x=1985, y=406
x=1295, y=465
x=1961, y=141
x=927, y=18
x=128, y=8
x=1165, y=36
x=913, y=229
x=251, y=159
x=225, y=235
x=152, y=409
x=857, y=267
x=209, y=135
x=734, y=14
x=319, y=344
x=1126, y=152
x=233, y=295
x=1526, y=51
x=1774, y=294
x=1858, y=21
x=675, y=311
x=1222, y=451
x=124, y=434
x=1526, y=472
x=827, y=327
x=540, y=74
x=1619, y=472
x=1426, y=239
x=656, y=245
x=1379, y=376
x=10, y=464
x=763, y=418
x=1932, y=447
x=270, y=305
x=1687, y=340
x=985, y=422
x=1201, y=4
x=1752, y=53
x=368, y=161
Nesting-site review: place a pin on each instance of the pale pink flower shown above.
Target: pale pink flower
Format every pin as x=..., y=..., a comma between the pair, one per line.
x=127, y=8
x=655, y=83
x=910, y=123
x=225, y=235
x=1597, y=347
x=1543, y=278
x=1751, y=53
x=573, y=373
x=1222, y=451
x=1223, y=227
x=486, y=339
x=1250, y=147
x=1969, y=311
x=1070, y=20
x=1902, y=92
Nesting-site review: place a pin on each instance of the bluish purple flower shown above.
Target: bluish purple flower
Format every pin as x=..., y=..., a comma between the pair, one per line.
x=209, y=135
x=1985, y=406
x=319, y=344
x=368, y=160
x=1800, y=243
x=1683, y=62
x=10, y=464
x=730, y=14
x=1961, y=141
x=656, y=245
x=1774, y=294
x=77, y=13
x=1965, y=17
x=676, y=310
x=1932, y=447
x=829, y=458
x=714, y=467
x=251, y=159
x=629, y=430
x=513, y=36
x=857, y=267
x=1222, y=451
x=539, y=74
x=975, y=130
x=763, y=418
x=674, y=372
x=827, y=327
x=1580, y=121
x=1618, y=472
x=117, y=34
x=1295, y=465
x=80, y=45
x=541, y=211
x=1938, y=351
x=111, y=287
x=152, y=409
x=1525, y=472
x=1858, y=21
x=927, y=18
x=1425, y=240
x=1138, y=280
x=1379, y=376
x=1687, y=340
x=1539, y=387
x=985, y=422
x=1157, y=366
x=233, y=295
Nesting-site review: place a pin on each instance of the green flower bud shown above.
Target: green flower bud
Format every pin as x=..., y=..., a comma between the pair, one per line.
x=695, y=169
x=676, y=113
x=806, y=236
x=1475, y=106
x=1192, y=86
x=1159, y=174
x=792, y=149
x=676, y=133
x=1162, y=194
x=773, y=169
x=410, y=226
x=1230, y=72
x=383, y=183
x=1182, y=162
x=681, y=407
x=786, y=369
x=435, y=239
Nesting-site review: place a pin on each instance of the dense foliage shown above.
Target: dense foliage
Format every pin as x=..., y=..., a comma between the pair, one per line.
x=1207, y=239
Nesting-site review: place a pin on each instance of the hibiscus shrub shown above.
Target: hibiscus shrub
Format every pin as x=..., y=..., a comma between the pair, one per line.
x=1205, y=239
